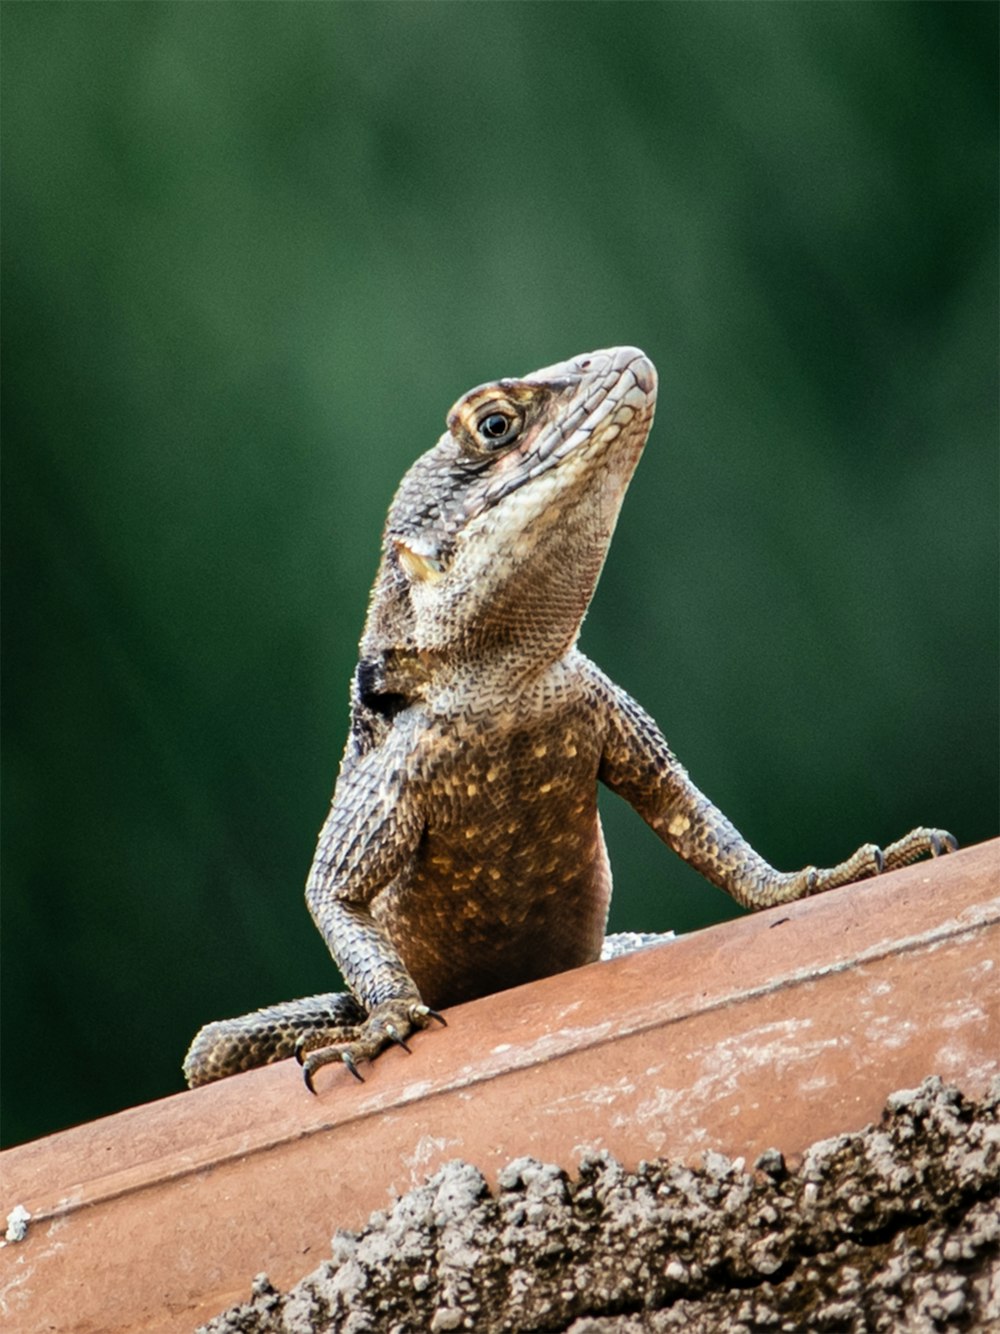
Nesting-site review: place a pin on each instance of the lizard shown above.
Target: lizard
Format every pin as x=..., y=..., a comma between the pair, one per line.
x=463, y=852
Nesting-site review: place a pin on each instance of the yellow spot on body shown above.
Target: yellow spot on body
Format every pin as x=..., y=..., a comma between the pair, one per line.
x=491, y=775
x=494, y=873
x=545, y=787
x=541, y=750
x=512, y=827
x=570, y=748
x=471, y=832
x=680, y=824
x=472, y=789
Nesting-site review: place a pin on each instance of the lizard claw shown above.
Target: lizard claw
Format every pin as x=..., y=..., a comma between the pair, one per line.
x=323, y=1056
x=942, y=842
x=395, y=1037
x=348, y=1060
x=425, y=1012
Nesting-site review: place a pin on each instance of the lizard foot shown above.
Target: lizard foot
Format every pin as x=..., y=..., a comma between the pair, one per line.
x=872, y=860
x=390, y=1023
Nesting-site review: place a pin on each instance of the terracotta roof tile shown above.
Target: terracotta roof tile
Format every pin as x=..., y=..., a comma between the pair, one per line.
x=773, y=1030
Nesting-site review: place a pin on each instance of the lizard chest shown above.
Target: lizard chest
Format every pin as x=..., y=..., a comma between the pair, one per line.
x=510, y=881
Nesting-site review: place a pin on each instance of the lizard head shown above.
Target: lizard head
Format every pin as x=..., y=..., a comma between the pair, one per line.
x=496, y=536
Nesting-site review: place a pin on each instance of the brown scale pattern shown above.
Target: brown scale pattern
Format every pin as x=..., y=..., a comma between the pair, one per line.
x=463, y=850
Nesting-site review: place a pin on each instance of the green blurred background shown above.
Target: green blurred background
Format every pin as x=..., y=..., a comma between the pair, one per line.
x=253, y=253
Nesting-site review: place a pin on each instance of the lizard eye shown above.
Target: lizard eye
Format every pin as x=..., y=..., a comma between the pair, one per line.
x=496, y=429
x=491, y=419
x=495, y=425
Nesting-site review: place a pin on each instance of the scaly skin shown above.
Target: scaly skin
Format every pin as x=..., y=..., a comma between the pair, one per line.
x=463, y=851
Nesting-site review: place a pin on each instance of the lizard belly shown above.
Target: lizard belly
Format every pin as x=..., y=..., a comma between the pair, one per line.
x=511, y=881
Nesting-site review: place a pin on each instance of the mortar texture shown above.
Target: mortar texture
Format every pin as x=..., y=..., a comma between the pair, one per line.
x=893, y=1228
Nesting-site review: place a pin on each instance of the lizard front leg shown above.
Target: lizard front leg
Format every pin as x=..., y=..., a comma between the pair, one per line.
x=370, y=962
x=370, y=837
x=638, y=764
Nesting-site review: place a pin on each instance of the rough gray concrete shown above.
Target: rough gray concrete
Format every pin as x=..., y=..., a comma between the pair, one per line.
x=894, y=1228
